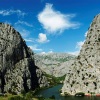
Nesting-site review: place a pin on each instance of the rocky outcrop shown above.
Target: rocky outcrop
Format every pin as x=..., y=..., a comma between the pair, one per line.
x=84, y=75
x=17, y=69
x=55, y=64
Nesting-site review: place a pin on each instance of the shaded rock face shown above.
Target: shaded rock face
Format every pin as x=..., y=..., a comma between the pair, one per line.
x=17, y=69
x=55, y=64
x=84, y=75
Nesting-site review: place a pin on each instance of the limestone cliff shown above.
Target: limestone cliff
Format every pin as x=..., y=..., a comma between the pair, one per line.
x=84, y=75
x=17, y=69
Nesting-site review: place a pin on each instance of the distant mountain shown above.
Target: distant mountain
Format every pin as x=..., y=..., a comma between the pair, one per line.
x=55, y=64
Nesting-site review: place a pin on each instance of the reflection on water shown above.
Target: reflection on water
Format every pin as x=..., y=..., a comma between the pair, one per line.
x=55, y=91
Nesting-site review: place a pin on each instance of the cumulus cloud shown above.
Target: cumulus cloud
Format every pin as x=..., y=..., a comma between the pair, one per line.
x=50, y=52
x=46, y=53
x=11, y=11
x=86, y=33
x=79, y=44
x=74, y=53
x=42, y=38
x=29, y=40
x=35, y=48
x=78, y=47
x=54, y=21
x=23, y=23
x=24, y=33
x=43, y=53
x=8, y=22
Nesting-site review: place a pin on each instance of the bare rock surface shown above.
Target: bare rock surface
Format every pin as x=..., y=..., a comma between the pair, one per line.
x=55, y=64
x=84, y=75
x=17, y=69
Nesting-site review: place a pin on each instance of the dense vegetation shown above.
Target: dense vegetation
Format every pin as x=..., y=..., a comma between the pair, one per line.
x=30, y=95
x=27, y=96
x=54, y=80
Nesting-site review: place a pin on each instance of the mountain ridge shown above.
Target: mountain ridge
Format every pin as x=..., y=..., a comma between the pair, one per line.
x=84, y=73
x=54, y=64
x=18, y=71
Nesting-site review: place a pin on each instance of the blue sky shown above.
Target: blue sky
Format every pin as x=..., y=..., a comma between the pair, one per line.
x=50, y=25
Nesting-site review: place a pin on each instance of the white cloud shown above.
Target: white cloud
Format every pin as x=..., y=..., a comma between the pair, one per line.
x=50, y=52
x=46, y=53
x=8, y=22
x=23, y=23
x=24, y=33
x=42, y=38
x=54, y=21
x=79, y=44
x=86, y=33
x=34, y=48
x=29, y=40
x=43, y=53
x=74, y=53
x=11, y=11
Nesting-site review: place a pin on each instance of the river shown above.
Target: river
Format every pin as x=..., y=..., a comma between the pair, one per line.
x=55, y=91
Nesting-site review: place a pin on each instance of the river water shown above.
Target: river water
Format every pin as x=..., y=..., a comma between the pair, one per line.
x=55, y=91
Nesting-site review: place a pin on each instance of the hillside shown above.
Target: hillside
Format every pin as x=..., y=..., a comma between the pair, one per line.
x=18, y=71
x=55, y=64
x=85, y=71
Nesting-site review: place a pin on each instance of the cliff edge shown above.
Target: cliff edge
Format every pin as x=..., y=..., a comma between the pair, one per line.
x=84, y=75
x=17, y=69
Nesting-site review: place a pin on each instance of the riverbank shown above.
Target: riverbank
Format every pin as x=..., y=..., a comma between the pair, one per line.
x=53, y=81
x=53, y=92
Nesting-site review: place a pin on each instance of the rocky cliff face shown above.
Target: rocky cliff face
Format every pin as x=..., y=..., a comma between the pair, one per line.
x=17, y=69
x=84, y=75
x=55, y=64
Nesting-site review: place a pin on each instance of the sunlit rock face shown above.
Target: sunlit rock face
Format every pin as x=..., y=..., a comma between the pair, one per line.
x=55, y=64
x=84, y=75
x=17, y=69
